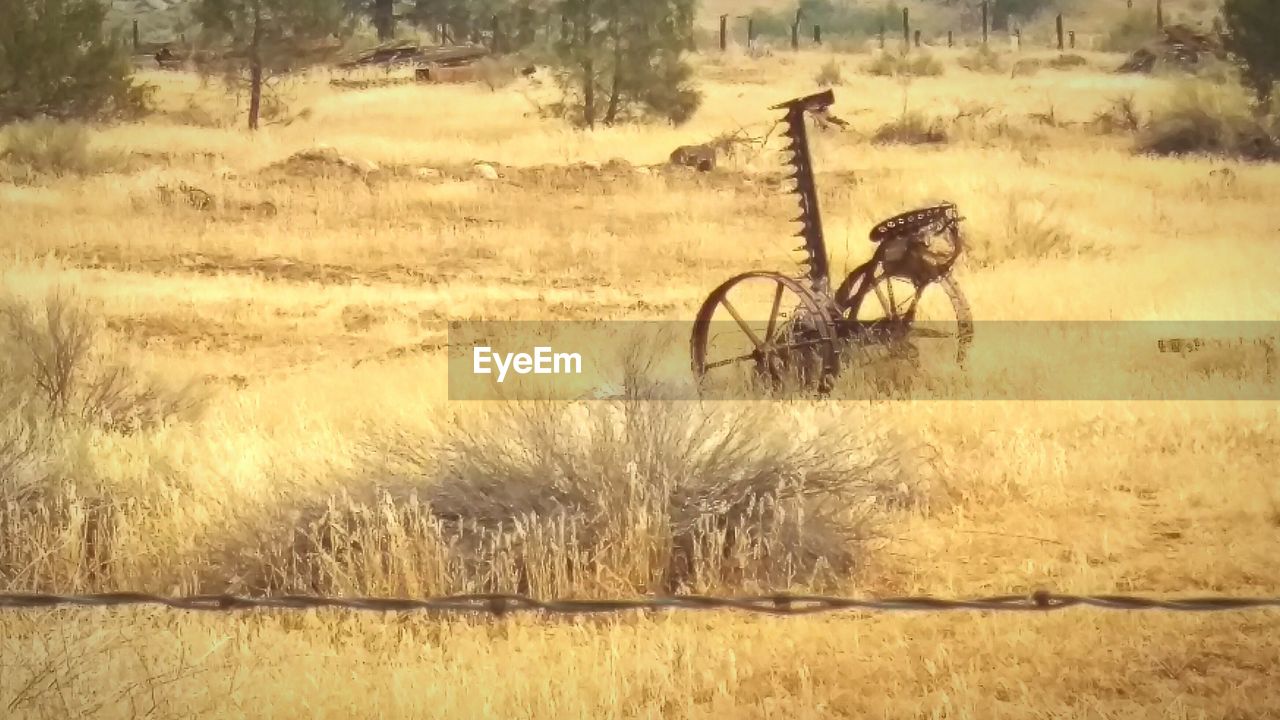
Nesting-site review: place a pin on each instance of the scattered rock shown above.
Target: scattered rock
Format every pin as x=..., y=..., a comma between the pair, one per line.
x=345, y=84
x=486, y=171
x=188, y=194
x=699, y=157
x=321, y=160
x=364, y=166
x=426, y=173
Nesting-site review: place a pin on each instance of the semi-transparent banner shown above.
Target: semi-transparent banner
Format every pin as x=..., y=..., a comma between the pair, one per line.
x=999, y=360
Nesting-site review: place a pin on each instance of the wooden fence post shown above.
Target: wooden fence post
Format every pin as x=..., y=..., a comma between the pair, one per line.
x=795, y=32
x=917, y=37
x=906, y=29
x=495, y=40
x=135, y=36
x=1159, y=14
x=1071, y=37
x=724, y=32
x=1017, y=36
x=950, y=39
x=751, y=33
x=1059, y=24
x=882, y=34
x=817, y=34
x=985, y=24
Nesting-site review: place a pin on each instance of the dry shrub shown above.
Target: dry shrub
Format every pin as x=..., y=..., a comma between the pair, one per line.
x=981, y=123
x=918, y=64
x=830, y=74
x=53, y=360
x=59, y=394
x=196, y=113
x=55, y=148
x=636, y=495
x=911, y=128
x=1200, y=117
x=982, y=60
x=1026, y=68
x=1119, y=116
x=1067, y=61
x=1027, y=227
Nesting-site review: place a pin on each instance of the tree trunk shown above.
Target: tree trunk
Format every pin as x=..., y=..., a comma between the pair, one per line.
x=588, y=94
x=588, y=70
x=524, y=26
x=611, y=115
x=384, y=19
x=255, y=67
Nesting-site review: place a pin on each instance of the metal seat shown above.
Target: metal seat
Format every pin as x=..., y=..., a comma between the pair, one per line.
x=913, y=222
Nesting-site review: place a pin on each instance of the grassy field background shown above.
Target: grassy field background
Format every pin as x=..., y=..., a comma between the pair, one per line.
x=314, y=323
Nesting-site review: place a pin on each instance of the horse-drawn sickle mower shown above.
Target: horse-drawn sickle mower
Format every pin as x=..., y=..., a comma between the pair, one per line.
x=788, y=331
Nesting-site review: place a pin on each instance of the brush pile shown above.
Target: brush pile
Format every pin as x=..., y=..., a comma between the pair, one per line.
x=1178, y=46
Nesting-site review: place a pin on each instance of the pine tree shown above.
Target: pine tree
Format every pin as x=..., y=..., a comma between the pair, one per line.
x=622, y=59
x=1253, y=36
x=268, y=35
x=57, y=60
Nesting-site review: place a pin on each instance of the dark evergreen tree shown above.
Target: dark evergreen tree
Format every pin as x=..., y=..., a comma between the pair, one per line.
x=269, y=35
x=57, y=60
x=1253, y=36
x=625, y=59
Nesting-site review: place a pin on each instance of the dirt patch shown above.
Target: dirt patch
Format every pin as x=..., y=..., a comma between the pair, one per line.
x=322, y=162
x=185, y=332
x=268, y=268
x=613, y=176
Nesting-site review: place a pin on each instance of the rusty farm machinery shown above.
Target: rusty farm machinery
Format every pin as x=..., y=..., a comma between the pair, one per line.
x=776, y=330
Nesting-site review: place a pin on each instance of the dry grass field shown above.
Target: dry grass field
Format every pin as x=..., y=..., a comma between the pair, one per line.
x=308, y=302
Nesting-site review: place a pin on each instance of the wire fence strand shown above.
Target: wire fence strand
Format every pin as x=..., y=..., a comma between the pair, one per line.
x=502, y=604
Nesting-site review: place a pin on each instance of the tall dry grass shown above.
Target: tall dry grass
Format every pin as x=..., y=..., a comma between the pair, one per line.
x=319, y=331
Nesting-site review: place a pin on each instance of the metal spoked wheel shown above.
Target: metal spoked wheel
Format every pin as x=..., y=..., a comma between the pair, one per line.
x=934, y=319
x=763, y=330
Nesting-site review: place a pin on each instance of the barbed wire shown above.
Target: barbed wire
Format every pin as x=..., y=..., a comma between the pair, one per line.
x=502, y=604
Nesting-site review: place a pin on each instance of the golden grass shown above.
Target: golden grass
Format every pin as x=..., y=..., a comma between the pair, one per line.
x=317, y=323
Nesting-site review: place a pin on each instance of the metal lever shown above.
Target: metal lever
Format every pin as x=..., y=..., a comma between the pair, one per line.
x=809, y=103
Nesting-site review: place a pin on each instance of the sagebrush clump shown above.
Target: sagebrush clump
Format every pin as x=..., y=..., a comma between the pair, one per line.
x=635, y=495
x=55, y=148
x=918, y=64
x=1200, y=117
